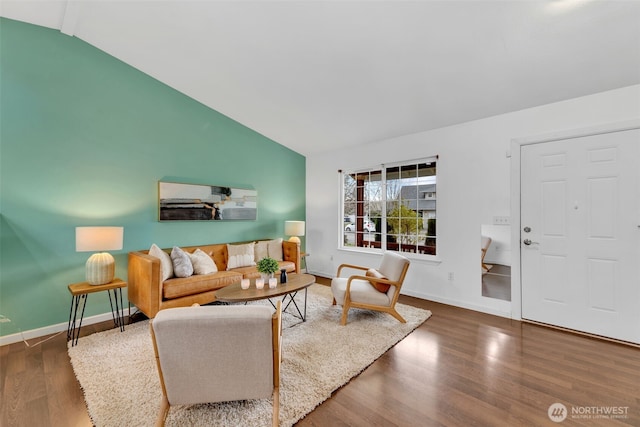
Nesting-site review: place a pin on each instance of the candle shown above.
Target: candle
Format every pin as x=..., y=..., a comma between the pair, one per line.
x=273, y=282
x=244, y=284
x=259, y=283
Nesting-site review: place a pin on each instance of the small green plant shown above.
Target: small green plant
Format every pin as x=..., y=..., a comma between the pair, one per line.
x=268, y=265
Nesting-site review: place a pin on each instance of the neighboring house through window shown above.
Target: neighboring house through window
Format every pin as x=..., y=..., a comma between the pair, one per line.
x=391, y=207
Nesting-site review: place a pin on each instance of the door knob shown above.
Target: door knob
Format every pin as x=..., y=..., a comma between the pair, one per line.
x=528, y=242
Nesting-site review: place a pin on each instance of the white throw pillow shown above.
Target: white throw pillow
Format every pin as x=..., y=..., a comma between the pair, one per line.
x=202, y=263
x=261, y=250
x=241, y=255
x=275, y=249
x=182, y=266
x=166, y=265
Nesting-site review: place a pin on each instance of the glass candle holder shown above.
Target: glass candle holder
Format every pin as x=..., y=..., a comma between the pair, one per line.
x=273, y=282
x=259, y=283
x=244, y=283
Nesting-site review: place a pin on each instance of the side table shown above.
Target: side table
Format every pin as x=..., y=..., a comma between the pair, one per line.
x=303, y=257
x=79, y=293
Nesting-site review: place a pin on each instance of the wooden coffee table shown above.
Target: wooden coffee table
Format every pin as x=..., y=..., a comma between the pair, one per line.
x=295, y=283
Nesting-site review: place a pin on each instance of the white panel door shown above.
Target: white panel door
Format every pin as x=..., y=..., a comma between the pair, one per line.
x=580, y=236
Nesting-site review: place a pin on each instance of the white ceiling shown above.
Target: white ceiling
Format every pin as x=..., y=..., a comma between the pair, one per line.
x=320, y=75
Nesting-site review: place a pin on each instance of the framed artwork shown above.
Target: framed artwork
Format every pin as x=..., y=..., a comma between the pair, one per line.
x=194, y=202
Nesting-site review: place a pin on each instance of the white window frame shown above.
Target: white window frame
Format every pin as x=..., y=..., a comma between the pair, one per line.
x=383, y=168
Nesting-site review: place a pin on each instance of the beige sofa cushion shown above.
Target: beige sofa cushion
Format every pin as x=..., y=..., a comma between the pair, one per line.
x=269, y=248
x=240, y=255
x=261, y=250
x=275, y=249
x=202, y=263
x=361, y=291
x=166, y=265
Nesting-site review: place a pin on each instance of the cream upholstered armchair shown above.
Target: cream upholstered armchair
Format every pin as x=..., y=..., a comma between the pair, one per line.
x=217, y=354
x=375, y=289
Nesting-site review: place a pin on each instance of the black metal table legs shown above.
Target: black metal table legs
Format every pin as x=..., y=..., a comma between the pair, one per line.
x=78, y=304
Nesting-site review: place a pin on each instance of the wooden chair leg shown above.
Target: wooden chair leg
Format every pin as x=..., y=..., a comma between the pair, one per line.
x=164, y=411
x=334, y=302
x=276, y=407
x=397, y=315
x=345, y=312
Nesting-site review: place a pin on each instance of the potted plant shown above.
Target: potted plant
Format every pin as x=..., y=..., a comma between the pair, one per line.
x=267, y=266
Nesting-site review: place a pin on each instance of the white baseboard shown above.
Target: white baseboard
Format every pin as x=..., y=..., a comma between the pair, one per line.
x=461, y=304
x=52, y=329
x=455, y=303
x=321, y=274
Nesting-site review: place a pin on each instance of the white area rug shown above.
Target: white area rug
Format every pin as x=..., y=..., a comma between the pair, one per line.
x=117, y=370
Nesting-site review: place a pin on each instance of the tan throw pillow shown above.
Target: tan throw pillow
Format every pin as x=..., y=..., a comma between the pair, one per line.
x=261, y=250
x=240, y=255
x=166, y=265
x=202, y=263
x=380, y=287
x=182, y=266
x=275, y=249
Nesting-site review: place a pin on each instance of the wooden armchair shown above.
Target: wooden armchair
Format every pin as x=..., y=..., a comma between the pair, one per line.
x=217, y=354
x=376, y=289
x=485, y=242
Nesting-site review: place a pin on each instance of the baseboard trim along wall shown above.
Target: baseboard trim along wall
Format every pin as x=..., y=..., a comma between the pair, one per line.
x=53, y=329
x=461, y=304
x=435, y=298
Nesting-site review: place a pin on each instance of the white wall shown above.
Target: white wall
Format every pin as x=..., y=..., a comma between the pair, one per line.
x=473, y=187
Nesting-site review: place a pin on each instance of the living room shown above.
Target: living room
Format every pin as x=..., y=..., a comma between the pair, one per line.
x=87, y=137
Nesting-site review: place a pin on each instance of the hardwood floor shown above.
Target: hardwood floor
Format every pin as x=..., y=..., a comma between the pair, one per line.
x=496, y=283
x=460, y=368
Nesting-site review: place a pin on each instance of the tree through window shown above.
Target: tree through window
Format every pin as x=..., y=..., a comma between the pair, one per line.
x=391, y=207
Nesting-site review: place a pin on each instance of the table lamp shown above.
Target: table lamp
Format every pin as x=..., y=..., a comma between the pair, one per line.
x=100, y=266
x=294, y=229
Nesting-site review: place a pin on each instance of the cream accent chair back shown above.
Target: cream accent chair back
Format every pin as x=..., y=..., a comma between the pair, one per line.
x=217, y=354
x=359, y=291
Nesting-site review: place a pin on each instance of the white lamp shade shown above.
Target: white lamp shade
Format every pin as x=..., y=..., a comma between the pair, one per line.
x=294, y=229
x=93, y=239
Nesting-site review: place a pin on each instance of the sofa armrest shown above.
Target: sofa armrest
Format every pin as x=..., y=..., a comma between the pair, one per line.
x=291, y=252
x=144, y=283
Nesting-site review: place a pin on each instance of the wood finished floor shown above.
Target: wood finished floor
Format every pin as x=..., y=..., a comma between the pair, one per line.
x=460, y=368
x=496, y=283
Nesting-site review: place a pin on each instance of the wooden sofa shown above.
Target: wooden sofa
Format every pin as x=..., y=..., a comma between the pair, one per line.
x=150, y=294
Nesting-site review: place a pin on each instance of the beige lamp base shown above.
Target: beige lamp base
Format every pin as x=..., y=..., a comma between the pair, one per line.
x=295, y=239
x=100, y=268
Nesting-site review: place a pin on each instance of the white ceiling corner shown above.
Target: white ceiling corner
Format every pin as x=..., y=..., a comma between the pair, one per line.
x=320, y=75
x=70, y=17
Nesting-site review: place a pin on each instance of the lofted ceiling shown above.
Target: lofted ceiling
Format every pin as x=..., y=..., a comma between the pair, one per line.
x=321, y=75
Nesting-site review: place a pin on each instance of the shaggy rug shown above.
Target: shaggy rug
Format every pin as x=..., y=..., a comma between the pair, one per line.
x=118, y=375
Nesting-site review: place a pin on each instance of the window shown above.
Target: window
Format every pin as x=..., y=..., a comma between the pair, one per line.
x=391, y=207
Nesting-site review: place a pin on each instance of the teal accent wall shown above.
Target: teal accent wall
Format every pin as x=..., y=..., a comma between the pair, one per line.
x=85, y=138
